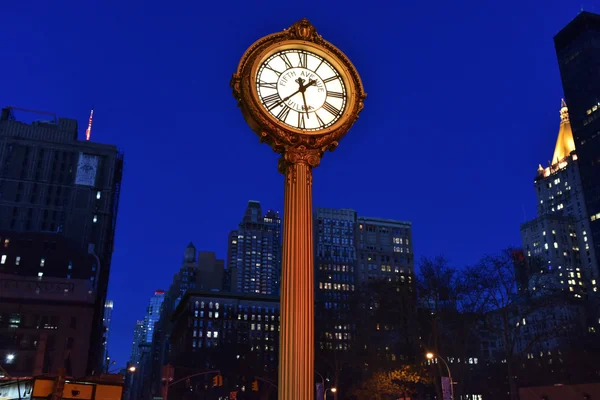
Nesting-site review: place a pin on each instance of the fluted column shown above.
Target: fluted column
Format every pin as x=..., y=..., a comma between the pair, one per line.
x=296, y=338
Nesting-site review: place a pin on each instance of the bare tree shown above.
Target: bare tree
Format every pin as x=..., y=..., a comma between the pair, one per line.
x=525, y=311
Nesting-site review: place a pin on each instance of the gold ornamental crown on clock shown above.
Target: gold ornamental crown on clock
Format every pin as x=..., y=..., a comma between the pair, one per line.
x=296, y=89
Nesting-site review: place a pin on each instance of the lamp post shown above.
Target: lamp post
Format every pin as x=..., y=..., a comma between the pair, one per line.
x=431, y=356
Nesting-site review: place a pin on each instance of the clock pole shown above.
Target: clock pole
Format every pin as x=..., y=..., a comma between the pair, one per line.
x=296, y=339
x=301, y=151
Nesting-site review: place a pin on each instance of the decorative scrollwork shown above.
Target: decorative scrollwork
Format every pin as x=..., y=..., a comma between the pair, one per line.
x=303, y=30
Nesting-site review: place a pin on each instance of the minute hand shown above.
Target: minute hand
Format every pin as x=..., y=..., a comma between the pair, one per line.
x=302, y=89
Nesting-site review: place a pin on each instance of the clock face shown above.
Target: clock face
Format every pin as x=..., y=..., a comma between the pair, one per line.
x=301, y=89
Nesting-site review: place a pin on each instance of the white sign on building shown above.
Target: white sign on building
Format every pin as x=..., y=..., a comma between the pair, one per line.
x=87, y=166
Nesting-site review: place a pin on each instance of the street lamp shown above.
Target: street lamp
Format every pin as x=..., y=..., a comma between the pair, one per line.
x=10, y=358
x=131, y=369
x=431, y=356
x=332, y=390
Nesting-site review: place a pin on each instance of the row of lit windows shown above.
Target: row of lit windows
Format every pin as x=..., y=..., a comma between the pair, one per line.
x=336, y=286
x=338, y=335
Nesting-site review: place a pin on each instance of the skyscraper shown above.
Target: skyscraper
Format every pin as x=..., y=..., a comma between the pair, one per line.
x=353, y=255
x=153, y=314
x=335, y=276
x=57, y=189
x=578, y=56
x=254, y=252
x=138, y=339
x=560, y=235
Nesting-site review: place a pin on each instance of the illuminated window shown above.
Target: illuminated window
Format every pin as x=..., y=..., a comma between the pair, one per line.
x=42, y=262
x=17, y=260
x=6, y=242
x=98, y=194
x=3, y=260
x=40, y=274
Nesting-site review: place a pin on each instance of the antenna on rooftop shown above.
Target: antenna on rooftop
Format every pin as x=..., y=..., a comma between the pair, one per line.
x=88, y=131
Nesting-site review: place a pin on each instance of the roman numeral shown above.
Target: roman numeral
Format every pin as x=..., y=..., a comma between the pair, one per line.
x=303, y=60
x=268, y=85
x=321, y=63
x=267, y=66
x=333, y=78
x=321, y=122
x=330, y=109
x=271, y=100
x=286, y=60
x=301, y=123
x=283, y=113
x=337, y=95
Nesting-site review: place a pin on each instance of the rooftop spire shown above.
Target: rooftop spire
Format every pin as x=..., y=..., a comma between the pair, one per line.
x=564, y=111
x=565, y=143
x=88, y=131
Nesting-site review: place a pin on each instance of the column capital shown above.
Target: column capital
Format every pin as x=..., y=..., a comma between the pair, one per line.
x=299, y=155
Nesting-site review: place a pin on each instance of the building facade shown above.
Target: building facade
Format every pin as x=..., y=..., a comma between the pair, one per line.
x=237, y=334
x=335, y=277
x=578, y=57
x=51, y=182
x=254, y=252
x=363, y=289
x=45, y=324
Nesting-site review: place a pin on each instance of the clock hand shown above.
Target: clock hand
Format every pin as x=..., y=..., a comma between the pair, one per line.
x=305, y=106
x=301, y=90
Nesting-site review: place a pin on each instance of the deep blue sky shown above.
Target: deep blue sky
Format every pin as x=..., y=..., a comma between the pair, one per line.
x=463, y=103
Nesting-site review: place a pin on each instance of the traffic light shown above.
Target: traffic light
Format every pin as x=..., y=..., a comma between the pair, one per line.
x=255, y=386
x=217, y=380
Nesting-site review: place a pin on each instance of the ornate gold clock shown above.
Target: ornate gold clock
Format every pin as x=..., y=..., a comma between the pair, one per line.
x=301, y=95
x=297, y=89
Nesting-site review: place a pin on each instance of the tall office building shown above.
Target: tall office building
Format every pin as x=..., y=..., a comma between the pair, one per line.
x=153, y=314
x=385, y=251
x=59, y=192
x=351, y=253
x=578, y=56
x=335, y=276
x=138, y=339
x=254, y=252
x=385, y=254
x=560, y=235
x=108, y=309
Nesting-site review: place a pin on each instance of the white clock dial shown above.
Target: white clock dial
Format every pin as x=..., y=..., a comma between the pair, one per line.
x=301, y=89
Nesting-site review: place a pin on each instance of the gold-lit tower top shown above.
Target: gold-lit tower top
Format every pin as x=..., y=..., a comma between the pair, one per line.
x=565, y=143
